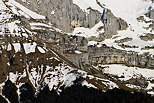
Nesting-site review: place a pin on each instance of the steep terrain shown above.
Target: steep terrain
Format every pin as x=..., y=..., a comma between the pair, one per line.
x=61, y=43
x=28, y=56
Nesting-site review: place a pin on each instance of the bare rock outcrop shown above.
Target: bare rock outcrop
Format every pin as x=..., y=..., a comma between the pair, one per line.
x=64, y=14
x=112, y=24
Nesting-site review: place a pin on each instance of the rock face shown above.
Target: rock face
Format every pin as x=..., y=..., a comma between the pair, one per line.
x=151, y=14
x=107, y=55
x=112, y=24
x=64, y=14
x=93, y=55
x=140, y=81
x=62, y=52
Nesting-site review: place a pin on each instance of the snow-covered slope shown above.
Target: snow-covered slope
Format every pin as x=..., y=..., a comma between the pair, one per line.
x=23, y=10
x=33, y=59
x=85, y=4
x=125, y=73
x=88, y=32
x=130, y=11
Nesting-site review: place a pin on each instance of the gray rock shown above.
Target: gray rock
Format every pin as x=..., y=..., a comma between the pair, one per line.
x=64, y=14
x=112, y=24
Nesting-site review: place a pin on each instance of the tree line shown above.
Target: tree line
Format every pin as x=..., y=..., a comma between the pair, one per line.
x=74, y=94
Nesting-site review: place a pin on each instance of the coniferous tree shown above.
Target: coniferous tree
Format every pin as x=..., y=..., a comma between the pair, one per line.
x=10, y=92
x=46, y=96
x=2, y=99
x=27, y=93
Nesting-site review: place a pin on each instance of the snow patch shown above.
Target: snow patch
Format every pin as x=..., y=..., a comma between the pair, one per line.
x=41, y=49
x=88, y=32
x=13, y=77
x=78, y=52
x=128, y=72
x=29, y=47
x=85, y=83
x=128, y=10
x=17, y=47
x=85, y=4
x=26, y=11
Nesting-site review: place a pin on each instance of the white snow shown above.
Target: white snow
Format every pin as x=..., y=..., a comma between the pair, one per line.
x=133, y=86
x=128, y=72
x=150, y=85
x=17, y=47
x=24, y=1
x=106, y=82
x=69, y=78
x=37, y=28
x=35, y=76
x=25, y=35
x=110, y=84
x=41, y=49
x=1, y=87
x=2, y=4
x=23, y=75
x=29, y=47
x=13, y=77
x=151, y=93
x=128, y=10
x=85, y=83
x=88, y=32
x=85, y=4
x=9, y=47
x=53, y=12
x=13, y=27
x=78, y=52
x=131, y=72
x=40, y=24
x=136, y=41
x=26, y=11
x=92, y=43
x=59, y=74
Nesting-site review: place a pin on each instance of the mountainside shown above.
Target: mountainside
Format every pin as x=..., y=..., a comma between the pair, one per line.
x=102, y=44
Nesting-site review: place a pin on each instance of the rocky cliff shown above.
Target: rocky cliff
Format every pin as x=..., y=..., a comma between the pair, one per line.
x=64, y=14
x=57, y=43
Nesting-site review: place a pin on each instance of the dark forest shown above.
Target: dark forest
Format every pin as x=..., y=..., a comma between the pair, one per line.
x=73, y=94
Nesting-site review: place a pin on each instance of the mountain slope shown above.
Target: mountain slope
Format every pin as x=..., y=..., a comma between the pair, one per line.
x=28, y=57
x=138, y=36
x=36, y=51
